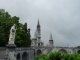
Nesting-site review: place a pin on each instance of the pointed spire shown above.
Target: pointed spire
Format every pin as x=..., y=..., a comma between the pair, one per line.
x=51, y=36
x=38, y=25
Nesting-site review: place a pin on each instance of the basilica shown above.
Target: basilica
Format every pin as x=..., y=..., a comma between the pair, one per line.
x=36, y=41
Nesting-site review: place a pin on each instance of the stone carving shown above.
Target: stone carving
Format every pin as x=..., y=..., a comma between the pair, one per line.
x=12, y=34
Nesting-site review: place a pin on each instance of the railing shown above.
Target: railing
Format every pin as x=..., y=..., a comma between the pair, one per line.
x=63, y=47
x=2, y=48
x=24, y=48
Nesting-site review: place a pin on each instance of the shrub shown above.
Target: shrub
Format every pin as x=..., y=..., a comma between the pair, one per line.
x=58, y=56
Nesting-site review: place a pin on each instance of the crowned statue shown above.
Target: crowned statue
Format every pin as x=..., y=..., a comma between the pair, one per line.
x=12, y=34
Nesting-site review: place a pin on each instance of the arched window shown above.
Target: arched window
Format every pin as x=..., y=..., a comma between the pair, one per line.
x=25, y=56
x=39, y=52
x=18, y=56
x=63, y=50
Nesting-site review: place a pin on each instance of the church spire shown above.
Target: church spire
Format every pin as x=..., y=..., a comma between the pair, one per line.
x=51, y=36
x=38, y=25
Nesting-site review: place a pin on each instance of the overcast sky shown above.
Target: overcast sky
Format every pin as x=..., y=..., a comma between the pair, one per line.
x=60, y=17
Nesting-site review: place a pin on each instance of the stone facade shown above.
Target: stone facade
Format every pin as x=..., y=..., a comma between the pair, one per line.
x=36, y=41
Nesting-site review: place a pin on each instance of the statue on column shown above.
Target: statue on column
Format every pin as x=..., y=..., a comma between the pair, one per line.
x=12, y=34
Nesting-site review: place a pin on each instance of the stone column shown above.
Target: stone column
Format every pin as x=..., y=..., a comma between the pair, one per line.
x=21, y=56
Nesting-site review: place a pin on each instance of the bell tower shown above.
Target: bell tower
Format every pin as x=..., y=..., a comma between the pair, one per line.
x=36, y=41
x=38, y=34
x=51, y=42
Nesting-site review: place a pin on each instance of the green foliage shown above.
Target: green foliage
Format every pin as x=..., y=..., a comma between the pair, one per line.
x=21, y=40
x=6, y=22
x=58, y=56
x=22, y=34
x=41, y=57
x=55, y=56
x=78, y=47
x=27, y=31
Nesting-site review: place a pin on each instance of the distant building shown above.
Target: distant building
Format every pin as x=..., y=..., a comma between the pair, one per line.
x=36, y=41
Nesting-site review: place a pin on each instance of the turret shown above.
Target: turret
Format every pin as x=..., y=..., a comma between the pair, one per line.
x=51, y=40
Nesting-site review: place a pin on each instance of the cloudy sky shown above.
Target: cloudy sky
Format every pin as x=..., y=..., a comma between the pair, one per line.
x=60, y=17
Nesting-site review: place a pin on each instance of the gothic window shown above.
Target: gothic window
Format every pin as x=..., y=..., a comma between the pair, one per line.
x=38, y=44
x=38, y=37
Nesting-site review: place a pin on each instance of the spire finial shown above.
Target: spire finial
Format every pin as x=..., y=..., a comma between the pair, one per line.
x=51, y=36
x=38, y=25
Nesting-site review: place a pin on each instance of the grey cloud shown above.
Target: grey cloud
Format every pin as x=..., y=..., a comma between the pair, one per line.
x=61, y=17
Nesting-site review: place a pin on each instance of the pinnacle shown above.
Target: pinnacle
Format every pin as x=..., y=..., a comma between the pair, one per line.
x=38, y=25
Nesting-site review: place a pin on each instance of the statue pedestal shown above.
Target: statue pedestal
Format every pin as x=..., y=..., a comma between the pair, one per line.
x=10, y=45
x=10, y=48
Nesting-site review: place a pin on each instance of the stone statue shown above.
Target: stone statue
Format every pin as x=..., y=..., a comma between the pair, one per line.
x=12, y=34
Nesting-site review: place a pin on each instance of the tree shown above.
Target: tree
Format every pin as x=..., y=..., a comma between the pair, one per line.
x=22, y=33
x=27, y=31
x=6, y=22
x=25, y=27
x=78, y=47
x=29, y=37
x=20, y=40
